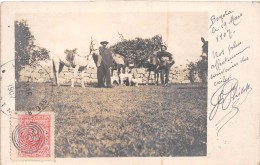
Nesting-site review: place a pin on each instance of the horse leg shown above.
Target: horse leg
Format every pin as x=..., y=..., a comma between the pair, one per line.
x=82, y=79
x=130, y=80
x=74, y=75
x=121, y=79
x=60, y=69
x=54, y=71
x=148, y=78
x=136, y=82
x=56, y=66
x=157, y=77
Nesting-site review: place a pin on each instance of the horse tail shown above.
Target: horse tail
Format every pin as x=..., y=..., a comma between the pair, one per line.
x=54, y=71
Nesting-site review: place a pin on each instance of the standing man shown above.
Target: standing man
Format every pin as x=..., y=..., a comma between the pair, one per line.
x=105, y=62
x=166, y=62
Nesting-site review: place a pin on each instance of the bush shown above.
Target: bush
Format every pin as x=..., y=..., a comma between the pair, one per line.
x=137, y=50
x=198, y=69
x=192, y=71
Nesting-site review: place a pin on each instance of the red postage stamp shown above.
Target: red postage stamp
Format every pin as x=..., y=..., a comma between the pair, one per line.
x=32, y=137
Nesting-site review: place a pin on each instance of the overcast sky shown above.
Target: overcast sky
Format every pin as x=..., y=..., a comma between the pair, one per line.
x=181, y=31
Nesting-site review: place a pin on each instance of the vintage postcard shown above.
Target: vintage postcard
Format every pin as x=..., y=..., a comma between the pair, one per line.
x=130, y=82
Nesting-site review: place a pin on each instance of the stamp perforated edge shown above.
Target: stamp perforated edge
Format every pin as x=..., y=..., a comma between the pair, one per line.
x=13, y=151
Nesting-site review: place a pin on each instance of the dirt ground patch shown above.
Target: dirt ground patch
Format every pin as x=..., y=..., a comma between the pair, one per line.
x=126, y=121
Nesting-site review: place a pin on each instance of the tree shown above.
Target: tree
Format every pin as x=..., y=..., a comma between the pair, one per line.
x=198, y=69
x=24, y=41
x=39, y=54
x=192, y=71
x=137, y=50
x=26, y=51
x=202, y=66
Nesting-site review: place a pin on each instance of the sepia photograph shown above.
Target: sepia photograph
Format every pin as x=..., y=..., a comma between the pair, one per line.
x=129, y=82
x=120, y=85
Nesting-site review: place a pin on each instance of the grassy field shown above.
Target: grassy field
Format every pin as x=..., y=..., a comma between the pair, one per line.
x=125, y=121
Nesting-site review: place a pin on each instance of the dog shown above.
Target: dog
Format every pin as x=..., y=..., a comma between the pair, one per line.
x=129, y=75
x=114, y=79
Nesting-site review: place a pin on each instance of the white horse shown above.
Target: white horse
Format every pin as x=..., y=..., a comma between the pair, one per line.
x=70, y=58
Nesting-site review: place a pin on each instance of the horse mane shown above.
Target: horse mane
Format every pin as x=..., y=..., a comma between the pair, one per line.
x=93, y=45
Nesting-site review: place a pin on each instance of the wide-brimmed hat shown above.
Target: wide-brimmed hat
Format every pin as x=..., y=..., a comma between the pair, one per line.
x=204, y=55
x=104, y=43
x=131, y=65
x=164, y=46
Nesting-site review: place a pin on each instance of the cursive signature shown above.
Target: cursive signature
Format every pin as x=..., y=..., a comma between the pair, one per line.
x=228, y=97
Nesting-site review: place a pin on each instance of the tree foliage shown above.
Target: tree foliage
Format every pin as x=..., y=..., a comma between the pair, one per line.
x=198, y=69
x=192, y=71
x=137, y=50
x=202, y=66
x=26, y=51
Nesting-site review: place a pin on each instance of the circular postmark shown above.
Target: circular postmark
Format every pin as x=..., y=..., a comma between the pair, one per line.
x=7, y=93
x=31, y=91
x=34, y=89
x=28, y=138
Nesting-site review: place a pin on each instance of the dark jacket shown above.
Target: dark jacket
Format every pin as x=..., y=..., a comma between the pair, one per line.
x=106, y=56
x=168, y=56
x=164, y=54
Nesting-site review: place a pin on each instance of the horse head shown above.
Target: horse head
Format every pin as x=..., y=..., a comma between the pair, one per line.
x=71, y=52
x=93, y=46
x=154, y=60
x=151, y=61
x=70, y=55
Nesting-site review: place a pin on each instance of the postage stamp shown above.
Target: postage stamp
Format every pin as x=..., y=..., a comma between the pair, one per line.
x=32, y=136
x=129, y=82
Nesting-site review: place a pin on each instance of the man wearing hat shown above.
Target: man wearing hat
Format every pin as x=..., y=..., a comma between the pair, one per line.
x=166, y=61
x=104, y=64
